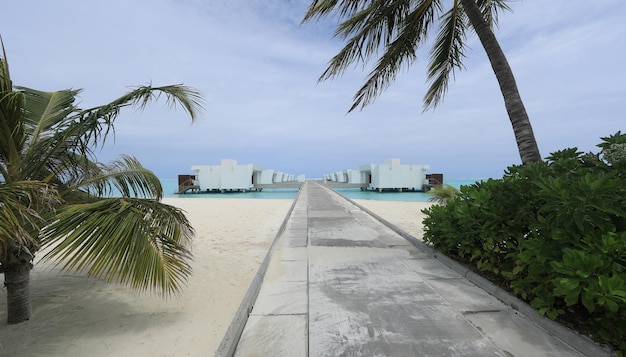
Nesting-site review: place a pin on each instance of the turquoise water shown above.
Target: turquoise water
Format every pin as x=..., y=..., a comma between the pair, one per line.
x=170, y=186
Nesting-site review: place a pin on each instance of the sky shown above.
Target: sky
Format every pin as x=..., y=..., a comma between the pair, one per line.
x=257, y=67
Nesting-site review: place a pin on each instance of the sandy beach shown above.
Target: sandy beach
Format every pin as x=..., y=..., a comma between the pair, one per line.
x=74, y=315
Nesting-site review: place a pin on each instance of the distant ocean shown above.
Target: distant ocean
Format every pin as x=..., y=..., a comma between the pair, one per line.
x=170, y=186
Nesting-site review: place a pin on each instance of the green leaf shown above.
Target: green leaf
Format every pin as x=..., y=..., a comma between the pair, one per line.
x=588, y=302
x=139, y=242
x=568, y=284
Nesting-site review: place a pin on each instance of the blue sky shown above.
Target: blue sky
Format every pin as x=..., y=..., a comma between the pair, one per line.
x=257, y=68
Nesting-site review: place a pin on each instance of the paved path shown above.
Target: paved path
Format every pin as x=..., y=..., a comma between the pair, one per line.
x=341, y=283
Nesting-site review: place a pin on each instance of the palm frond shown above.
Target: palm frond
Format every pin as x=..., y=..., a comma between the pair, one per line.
x=369, y=30
x=20, y=206
x=395, y=27
x=12, y=131
x=137, y=242
x=321, y=8
x=45, y=111
x=12, y=137
x=48, y=122
x=491, y=8
x=413, y=30
x=446, y=55
x=95, y=124
x=5, y=78
x=125, y=176
x=443, y=194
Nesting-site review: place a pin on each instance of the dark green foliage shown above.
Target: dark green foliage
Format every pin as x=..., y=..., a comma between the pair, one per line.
x=551, y=232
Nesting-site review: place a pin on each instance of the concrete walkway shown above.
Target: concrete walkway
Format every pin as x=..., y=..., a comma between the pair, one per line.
x=338, y=282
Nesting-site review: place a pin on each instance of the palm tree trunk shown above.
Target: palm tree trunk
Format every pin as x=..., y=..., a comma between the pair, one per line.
x=17, y=281
x=527, y=146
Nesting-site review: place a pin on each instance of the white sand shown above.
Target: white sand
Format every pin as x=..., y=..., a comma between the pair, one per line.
x=405, y=215
x=77, y=316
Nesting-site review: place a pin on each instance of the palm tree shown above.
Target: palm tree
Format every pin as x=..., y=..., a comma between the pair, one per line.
x=105, y=219
x=398, y=28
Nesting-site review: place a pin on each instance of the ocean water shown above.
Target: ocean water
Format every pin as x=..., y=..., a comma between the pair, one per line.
x=170, y=186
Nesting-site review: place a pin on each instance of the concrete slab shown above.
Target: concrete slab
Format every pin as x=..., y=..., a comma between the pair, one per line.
x=274, y=336
x=465, y=296
x=518, y=336
x=431, y=269
x=360, y=265
x=329, y=213
x=357, y=312
x=294, y=253
x=282, y=298
x=287, y=270
x=295, y=242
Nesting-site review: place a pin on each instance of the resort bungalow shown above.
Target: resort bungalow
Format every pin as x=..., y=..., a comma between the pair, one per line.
x=394, y=176
x=389, y=176
x=266, y=177
x=352, y=176
x=228, y=176
x=341, y=176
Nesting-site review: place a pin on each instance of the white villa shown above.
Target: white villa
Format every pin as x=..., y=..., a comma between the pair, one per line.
x=392, y=175
x=230, y=176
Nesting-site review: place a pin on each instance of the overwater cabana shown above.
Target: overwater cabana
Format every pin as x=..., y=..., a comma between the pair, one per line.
x=390, y=176
x=228, y=176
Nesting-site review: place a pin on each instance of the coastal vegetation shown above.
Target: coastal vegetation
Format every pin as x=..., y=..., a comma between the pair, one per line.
x=55, y=196
x=552, y=232
x=398, y=29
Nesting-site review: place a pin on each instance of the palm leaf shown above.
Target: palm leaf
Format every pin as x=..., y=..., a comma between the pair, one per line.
x=125, y=176
x=413, y=29
x=446, y=55
x=46, y=111
x=95, y=124
x=50, y=143
x=12, y=137
x=321, y=8
x=20, y=206
x=491, y=8
x=138, y=242
x=372, y=26
x=443, y=194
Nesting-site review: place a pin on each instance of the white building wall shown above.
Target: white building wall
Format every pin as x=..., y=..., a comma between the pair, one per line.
x=208, y=177
x=354, y=176
x=393, y=175
x=237, y=177
x=266, y=177
x=227, y=176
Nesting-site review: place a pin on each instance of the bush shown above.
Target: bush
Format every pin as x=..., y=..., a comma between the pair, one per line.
x=552, y=232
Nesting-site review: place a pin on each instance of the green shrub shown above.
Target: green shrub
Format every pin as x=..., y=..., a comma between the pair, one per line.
x=553, y=232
